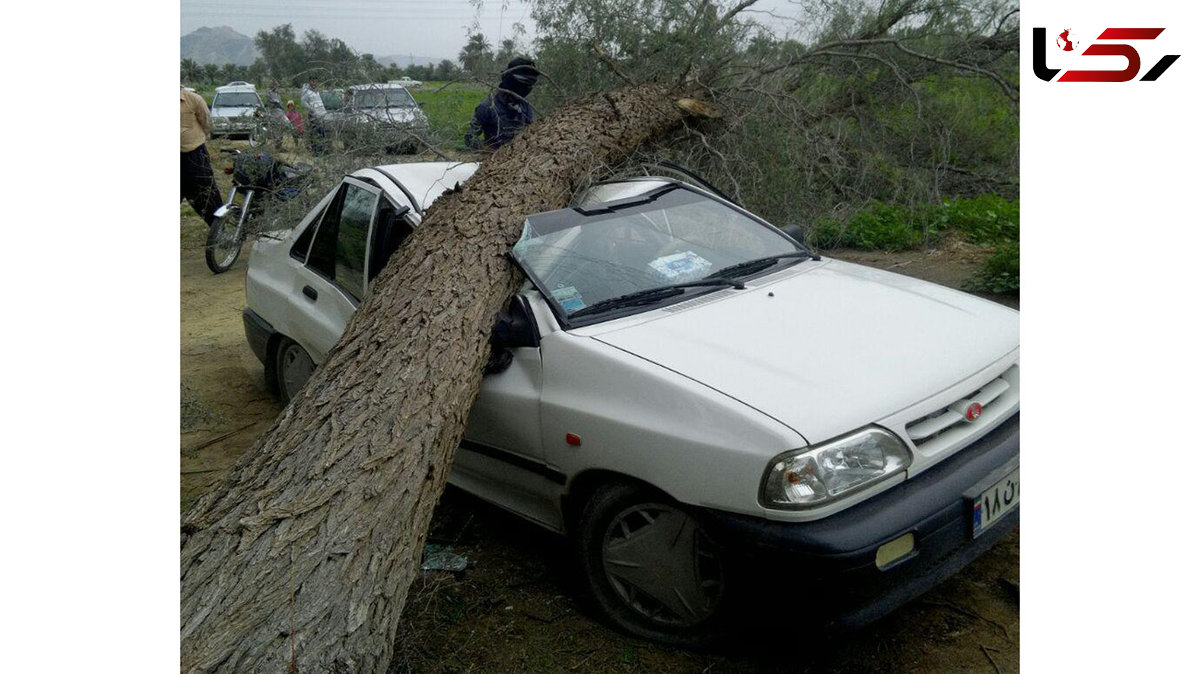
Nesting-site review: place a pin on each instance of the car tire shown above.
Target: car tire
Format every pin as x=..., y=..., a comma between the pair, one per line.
x=293, y=367
x=650, y=567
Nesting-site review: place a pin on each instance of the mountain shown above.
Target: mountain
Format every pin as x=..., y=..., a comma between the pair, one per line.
x=218, y=46
x=405, y=60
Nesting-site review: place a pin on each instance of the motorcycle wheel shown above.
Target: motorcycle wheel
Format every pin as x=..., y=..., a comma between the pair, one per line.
x=223, y=245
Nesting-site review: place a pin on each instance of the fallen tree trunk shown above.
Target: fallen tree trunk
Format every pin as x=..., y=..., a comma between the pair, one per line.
x=302, y=558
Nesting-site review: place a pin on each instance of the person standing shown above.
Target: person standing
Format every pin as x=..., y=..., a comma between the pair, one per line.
x=502, y=115
x=196, y=181
x=294, y=118
x=311, y=99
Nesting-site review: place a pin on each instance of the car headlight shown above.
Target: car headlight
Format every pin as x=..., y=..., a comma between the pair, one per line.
x=803, y=478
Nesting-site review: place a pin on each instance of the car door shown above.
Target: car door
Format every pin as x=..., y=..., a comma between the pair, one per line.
x=331, y=282
x=502, y=457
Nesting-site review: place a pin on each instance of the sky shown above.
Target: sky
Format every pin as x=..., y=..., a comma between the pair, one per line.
x=433, y=28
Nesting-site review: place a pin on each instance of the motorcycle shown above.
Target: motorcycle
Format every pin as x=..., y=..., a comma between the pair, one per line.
x=257, y=179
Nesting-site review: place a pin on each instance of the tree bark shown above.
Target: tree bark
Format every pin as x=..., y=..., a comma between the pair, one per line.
x=302, y=558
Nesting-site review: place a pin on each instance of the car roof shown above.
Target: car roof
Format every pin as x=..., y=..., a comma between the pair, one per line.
x=426, y=181
x=377, y=85
x=236, y=88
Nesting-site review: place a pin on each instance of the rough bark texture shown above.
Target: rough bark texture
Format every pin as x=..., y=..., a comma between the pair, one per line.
x=304, y=556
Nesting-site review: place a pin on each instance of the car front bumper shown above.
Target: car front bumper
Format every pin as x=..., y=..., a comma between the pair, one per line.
x=834, y=559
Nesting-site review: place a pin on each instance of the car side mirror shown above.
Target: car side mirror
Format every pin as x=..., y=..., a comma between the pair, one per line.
x=797, y=232
x=515, y=326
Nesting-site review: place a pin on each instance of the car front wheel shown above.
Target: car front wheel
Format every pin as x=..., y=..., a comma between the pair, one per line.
x=650, y=566
x=293, y=367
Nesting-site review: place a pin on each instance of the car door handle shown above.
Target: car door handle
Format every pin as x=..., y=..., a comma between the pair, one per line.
x=310, y=292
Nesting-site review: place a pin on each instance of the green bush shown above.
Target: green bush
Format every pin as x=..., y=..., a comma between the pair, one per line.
x=986, y=219
x=1001, y=273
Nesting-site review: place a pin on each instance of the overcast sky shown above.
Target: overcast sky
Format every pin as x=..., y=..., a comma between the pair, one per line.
x=435, y=28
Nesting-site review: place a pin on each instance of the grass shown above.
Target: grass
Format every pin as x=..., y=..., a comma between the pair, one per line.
x=449, y=108
x=986, y=220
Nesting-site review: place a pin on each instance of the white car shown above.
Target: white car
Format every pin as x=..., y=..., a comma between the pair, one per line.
x=695, y=398
x=382, y=115
x=233, y=109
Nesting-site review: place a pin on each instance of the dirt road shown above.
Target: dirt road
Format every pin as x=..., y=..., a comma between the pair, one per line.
x=516, y=609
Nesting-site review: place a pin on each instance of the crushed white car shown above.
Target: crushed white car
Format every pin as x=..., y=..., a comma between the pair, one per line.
x=695, y=398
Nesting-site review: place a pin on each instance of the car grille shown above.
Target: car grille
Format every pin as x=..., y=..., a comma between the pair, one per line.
x=949, y=425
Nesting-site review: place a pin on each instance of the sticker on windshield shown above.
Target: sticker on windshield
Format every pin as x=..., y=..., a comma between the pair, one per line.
x=568, y=298
x=681, y=267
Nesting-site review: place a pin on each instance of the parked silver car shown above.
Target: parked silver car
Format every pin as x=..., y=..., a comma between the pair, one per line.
x=381, y=115
x=234, y=108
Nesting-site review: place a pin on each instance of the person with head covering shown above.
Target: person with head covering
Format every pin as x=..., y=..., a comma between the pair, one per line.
x=502, y=115
x=294, y=117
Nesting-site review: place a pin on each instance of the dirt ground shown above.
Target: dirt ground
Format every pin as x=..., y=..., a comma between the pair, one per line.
x=516, y=608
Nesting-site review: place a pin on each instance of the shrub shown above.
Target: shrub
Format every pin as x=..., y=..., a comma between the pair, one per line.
x=1001, y=273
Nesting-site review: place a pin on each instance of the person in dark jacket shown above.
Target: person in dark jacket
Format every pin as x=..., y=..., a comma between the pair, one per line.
x=502, y=115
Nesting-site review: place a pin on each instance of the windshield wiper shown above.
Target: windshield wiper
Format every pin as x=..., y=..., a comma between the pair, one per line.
x=757, y=264
x=651, y=295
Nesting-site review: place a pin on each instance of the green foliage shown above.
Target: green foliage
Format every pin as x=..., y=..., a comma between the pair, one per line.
x=986, y=219
x=449, y=108
x=878, y=226
x=1001, y=273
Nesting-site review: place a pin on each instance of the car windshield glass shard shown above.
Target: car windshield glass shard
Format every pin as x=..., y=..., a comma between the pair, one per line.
x=243, y=99
x=652, y=295
x=752, y=266
x=665, y=237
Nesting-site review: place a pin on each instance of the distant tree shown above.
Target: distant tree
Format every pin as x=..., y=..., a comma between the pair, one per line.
x=230, y=72
x=445, y=70
x=476, y=55
x=211, y=73
x=508, y=50
x=189, y=71
x=284, y=58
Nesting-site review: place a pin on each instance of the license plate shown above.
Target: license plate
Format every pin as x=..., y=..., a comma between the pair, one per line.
x=996, y=501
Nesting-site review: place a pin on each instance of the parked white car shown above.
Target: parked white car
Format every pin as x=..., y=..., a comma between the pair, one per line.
x=696, y=399
x=233, y=109
x=382, y=115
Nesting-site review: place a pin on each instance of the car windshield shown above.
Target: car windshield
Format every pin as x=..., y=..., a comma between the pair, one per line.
x=238, y=99
x=332, y=100
x=381, y=98
x=580, y=257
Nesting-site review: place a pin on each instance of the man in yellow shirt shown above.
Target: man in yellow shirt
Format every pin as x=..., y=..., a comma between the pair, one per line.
x=196, y=183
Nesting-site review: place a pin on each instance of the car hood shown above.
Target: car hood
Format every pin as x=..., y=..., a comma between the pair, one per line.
x=825, y=347
x=233, y=112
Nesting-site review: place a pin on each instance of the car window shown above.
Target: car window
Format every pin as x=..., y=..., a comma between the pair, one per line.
x=240, y=99
x=391, y=229
x=339, y=249
x=351, y=259
x=582, y=257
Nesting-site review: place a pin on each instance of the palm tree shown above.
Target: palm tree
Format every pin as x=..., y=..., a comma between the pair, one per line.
x=476, y=56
